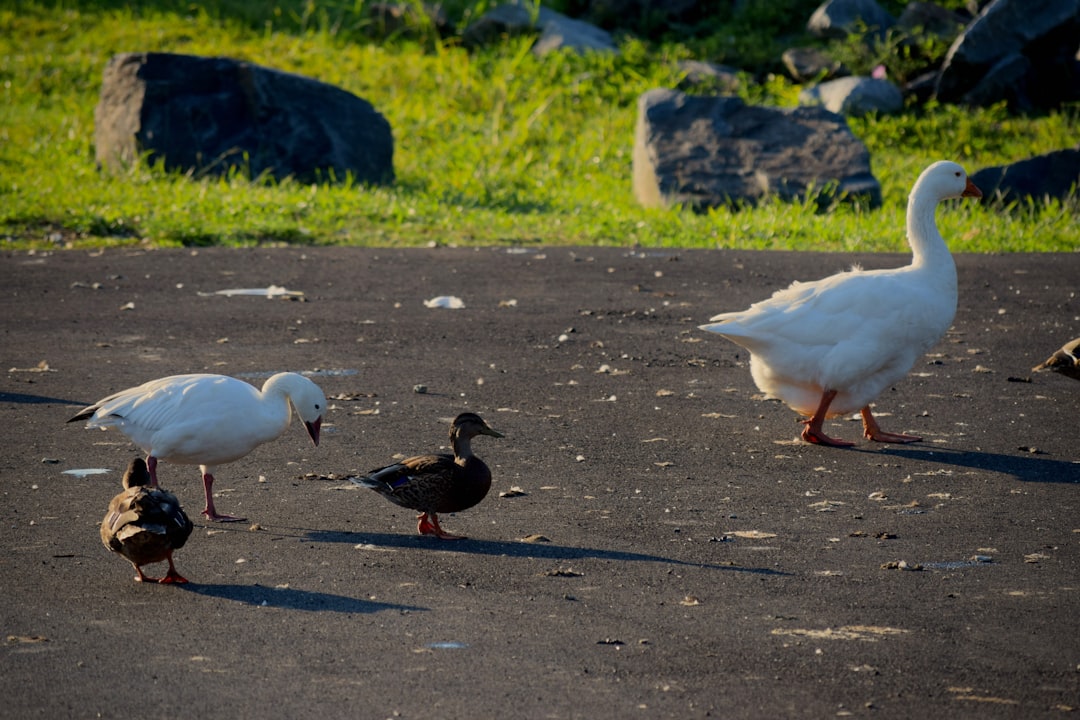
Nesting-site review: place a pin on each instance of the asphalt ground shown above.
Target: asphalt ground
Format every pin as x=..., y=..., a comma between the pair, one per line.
x=657, y=543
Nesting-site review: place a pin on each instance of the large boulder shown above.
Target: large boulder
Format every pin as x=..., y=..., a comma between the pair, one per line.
x=1028, y=49
x=210, y=114
x=1055, y=175
x=707, y=151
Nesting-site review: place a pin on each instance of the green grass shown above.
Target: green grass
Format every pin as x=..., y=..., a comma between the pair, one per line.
x=491, y=147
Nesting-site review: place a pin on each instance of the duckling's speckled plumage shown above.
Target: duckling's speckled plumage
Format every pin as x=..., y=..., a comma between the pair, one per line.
x=145, y=524
x=437, y=483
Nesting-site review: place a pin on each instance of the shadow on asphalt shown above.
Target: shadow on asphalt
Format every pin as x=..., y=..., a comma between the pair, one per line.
x=1032, y=468
x=511, y=549
x=23, y=399
x=291, y=599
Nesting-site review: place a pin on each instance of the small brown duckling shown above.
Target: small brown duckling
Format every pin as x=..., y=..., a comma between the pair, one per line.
x=1065, y=361
x=145, y=524
x=437, y=483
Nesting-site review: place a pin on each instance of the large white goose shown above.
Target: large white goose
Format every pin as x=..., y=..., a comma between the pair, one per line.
x=829, y=347
x=207, y=420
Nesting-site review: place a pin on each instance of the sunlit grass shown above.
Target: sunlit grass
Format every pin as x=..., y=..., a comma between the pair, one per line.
x=493, y=146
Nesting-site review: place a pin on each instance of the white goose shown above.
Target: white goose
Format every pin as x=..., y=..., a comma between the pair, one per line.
x=829, y=347
x=207, y=420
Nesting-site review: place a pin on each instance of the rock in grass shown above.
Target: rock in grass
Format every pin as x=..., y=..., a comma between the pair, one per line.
x=707, y=151
x=1054, y=174
x=854, y=96
x=1020, y=51
x=837, y=18
x=208, y=115
x=556, y=31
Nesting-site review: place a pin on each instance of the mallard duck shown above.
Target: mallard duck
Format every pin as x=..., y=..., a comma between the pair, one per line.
x=145, y=524
x=1065, y=361
x=207, y=420
x=829, y=347
x=438, y=483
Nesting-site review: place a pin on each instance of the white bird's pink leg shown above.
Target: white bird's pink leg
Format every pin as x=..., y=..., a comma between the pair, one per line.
x=872, y=431
x=151, y=465
x=211, y=512
x=813, y=433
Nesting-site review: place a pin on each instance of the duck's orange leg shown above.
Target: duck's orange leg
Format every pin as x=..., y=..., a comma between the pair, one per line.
x=142, y=577
x=428, y=524
x=172, y=576
x=872, y=431
x=813, y=433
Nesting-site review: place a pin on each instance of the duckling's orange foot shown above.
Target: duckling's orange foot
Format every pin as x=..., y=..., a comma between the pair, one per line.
x=428, y=524
x=815, y=436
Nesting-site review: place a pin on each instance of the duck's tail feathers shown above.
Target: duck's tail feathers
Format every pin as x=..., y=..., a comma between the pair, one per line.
x=367, y=482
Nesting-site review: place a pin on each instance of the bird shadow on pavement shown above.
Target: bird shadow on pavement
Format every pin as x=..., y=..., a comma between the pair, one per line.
x=291, y=599
x=513, y=549
x=24, y=399
x=1027, y=468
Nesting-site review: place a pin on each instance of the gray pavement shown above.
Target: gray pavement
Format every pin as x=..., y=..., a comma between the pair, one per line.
x=694, y=559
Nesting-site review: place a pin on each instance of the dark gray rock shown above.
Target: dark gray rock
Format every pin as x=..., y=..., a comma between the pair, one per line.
x=854, y=96
x=1055, y=174
x=839, y=18
x=210, y=114
x=509, y=19
x=556, y=31
x=564, y=33
x=931, y=19
x=1043, y=31
x=389, y=19
x=703, y=76
x=807, y=63
x=1005, y=80
x=710, y=151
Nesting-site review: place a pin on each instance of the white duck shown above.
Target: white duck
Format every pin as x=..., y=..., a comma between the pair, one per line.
x=207, y=420
x=829, y=347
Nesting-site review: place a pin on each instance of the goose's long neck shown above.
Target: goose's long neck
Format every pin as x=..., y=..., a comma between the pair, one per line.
x=274, y=398
x=927, y=246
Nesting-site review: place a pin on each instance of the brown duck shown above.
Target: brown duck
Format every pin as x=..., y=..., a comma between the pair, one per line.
x=1065, y=361
x=145, y=524
x=438, y=483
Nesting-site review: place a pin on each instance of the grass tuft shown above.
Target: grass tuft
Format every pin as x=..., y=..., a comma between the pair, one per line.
x=493, y=146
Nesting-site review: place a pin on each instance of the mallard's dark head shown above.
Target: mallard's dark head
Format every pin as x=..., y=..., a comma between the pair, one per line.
x=136, y=475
